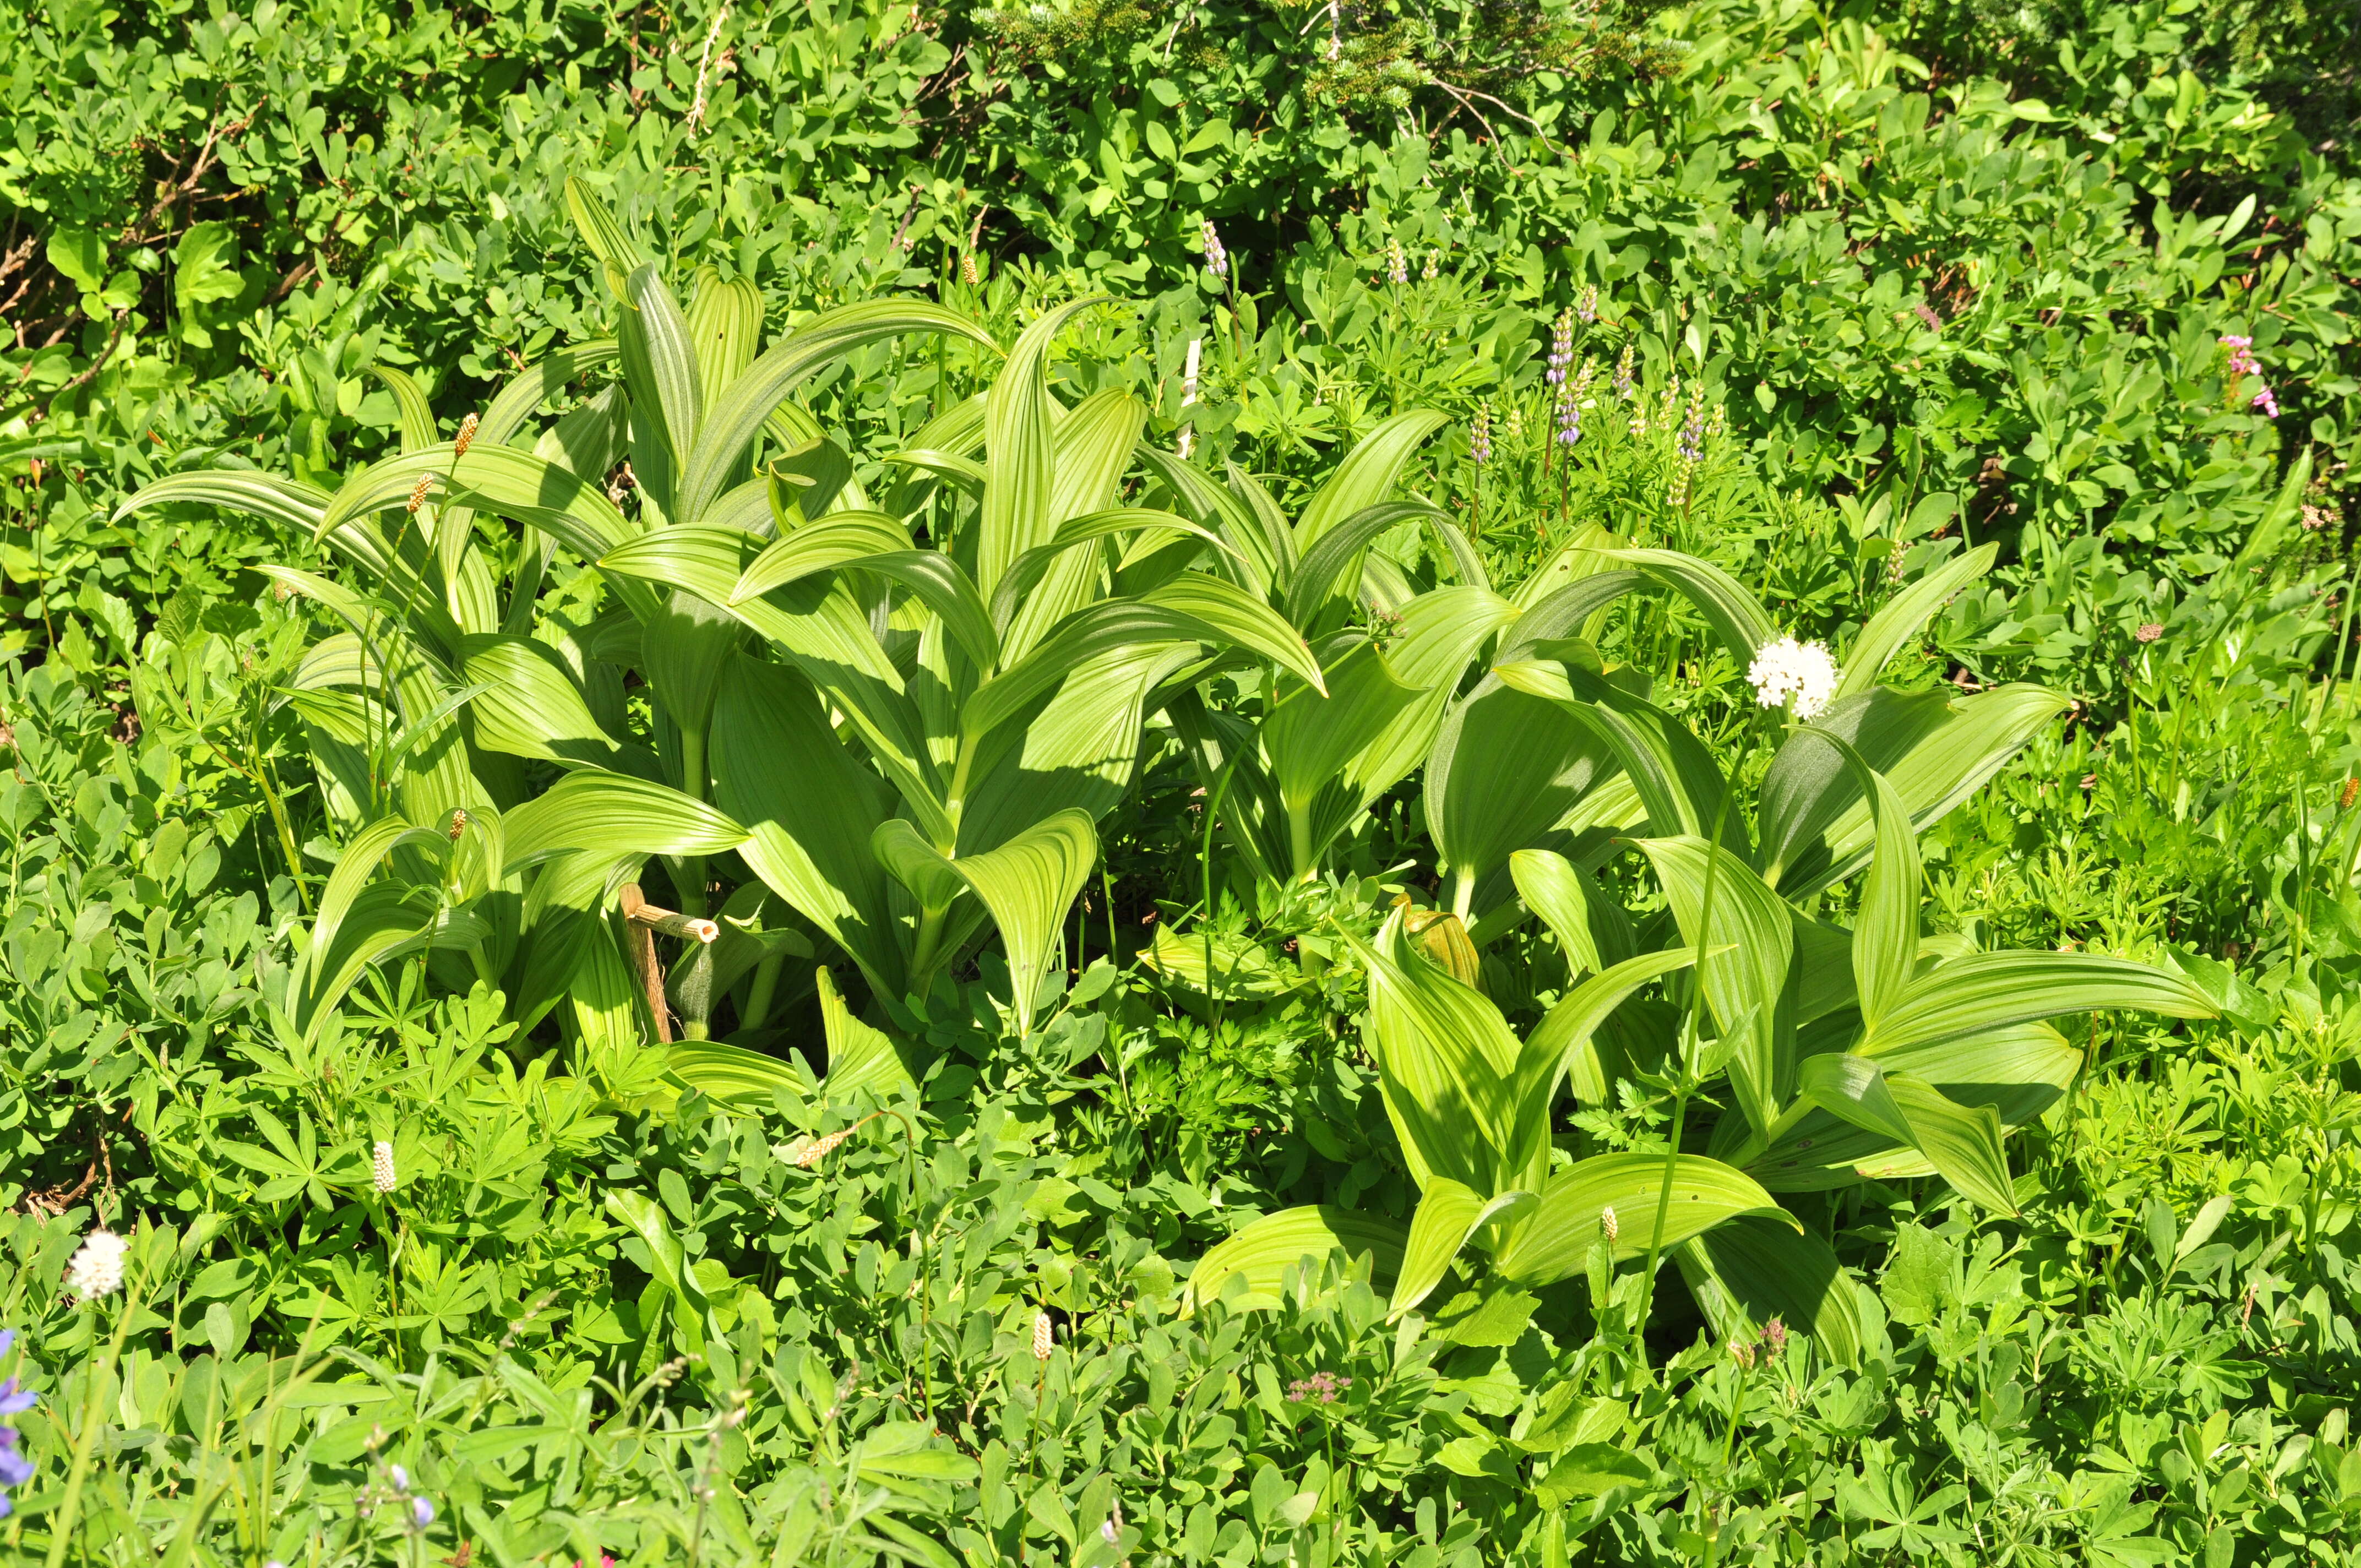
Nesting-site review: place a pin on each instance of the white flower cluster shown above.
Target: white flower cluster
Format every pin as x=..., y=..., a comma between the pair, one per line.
x=97, y=1269
x=1798, y=676
x=381, y=1166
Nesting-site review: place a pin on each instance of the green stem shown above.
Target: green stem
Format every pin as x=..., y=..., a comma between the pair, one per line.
x=764, y=988
x=1687, y=1078
x=1212, y=989
x=86, y=1435
x=691, y=890
x=922, y=954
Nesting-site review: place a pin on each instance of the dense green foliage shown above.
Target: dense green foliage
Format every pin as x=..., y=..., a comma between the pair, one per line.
x=1245, y=868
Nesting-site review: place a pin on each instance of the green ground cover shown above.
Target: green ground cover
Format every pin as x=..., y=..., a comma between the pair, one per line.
x=1412, y=785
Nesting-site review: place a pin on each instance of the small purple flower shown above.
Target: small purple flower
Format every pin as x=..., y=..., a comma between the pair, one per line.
x=1585, y=309
x=1320, y=1388
x=1625, y=382
x=401, y=1477
x=1569, y=421
x=1479, y=439
x=421, y=1513
x=1217, y=260
x=1561, y=348
x=2240, y=362
x=15, y=1468
x=2264, y=404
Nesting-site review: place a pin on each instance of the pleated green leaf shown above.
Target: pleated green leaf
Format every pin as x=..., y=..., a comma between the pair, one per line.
x=1326, y=570
x=1505, y=769
x=1733, y=613
x=1020, y=451
x=1447, y=1065
x=289, y=502
x=736, y=412
x=1940, y=768
x=816, y=547
x=1563, y=1048
x=1587, y=922
x=1448, y=1215
x=1075, y=532
x=1263, y=1252
x=1886, y=932
x=530, y=705
x=1750, y=1271
x=1748, y=943
x=1903, y=617
x=535, y=385
x=1961, y=1142
x=1553, y=1243
x=416, y=414
x=1367, y=476
x=809, y=810
x=860, y=1060
x=617, y=816
x=1993, y=991
x=1027, y=885
x=1191, y=608
x=1310, y=736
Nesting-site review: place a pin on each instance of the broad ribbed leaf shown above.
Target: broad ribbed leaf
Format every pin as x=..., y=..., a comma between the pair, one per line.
x=737, y=412
x=1905, y=615
x=809, y=810
x=725, y=328
x=1191, y=608
x=1078, y=531
x=1309, y=737
x=1588, y=924
x=732, y=1075
x=1749, y=1272
x=1563, y=1047
x=1960, y=1141
x=1991, y=991
x=1447, y=1065
x=615, y=814
x=417, y=415
x=355, y=867
x=1733, y=613
x=1886, y=932
x=1448, y=1214
x=1810, y=784
x=1367, y=476
x=1505, y=769
x=860, y=1060
x=1326, y=571
x=1939, y=771
x=291, y=501
x=1749, y=942
x=1092, y=445
x=1027, y=883
x=1263, y=1252
x=536, y=384
x=1442, y=632
x=1553, y=1243
x=1020, y=446
x=816, y=547
x=499, y=479
x=530, y=706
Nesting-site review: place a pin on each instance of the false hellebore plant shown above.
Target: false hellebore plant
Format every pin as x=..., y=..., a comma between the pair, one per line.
x=903, y=743
x=1840, y=1055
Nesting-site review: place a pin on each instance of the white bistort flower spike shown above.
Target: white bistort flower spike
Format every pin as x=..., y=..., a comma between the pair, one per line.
x=381, y=1166
x=1799, y=676
x=97, y=1269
